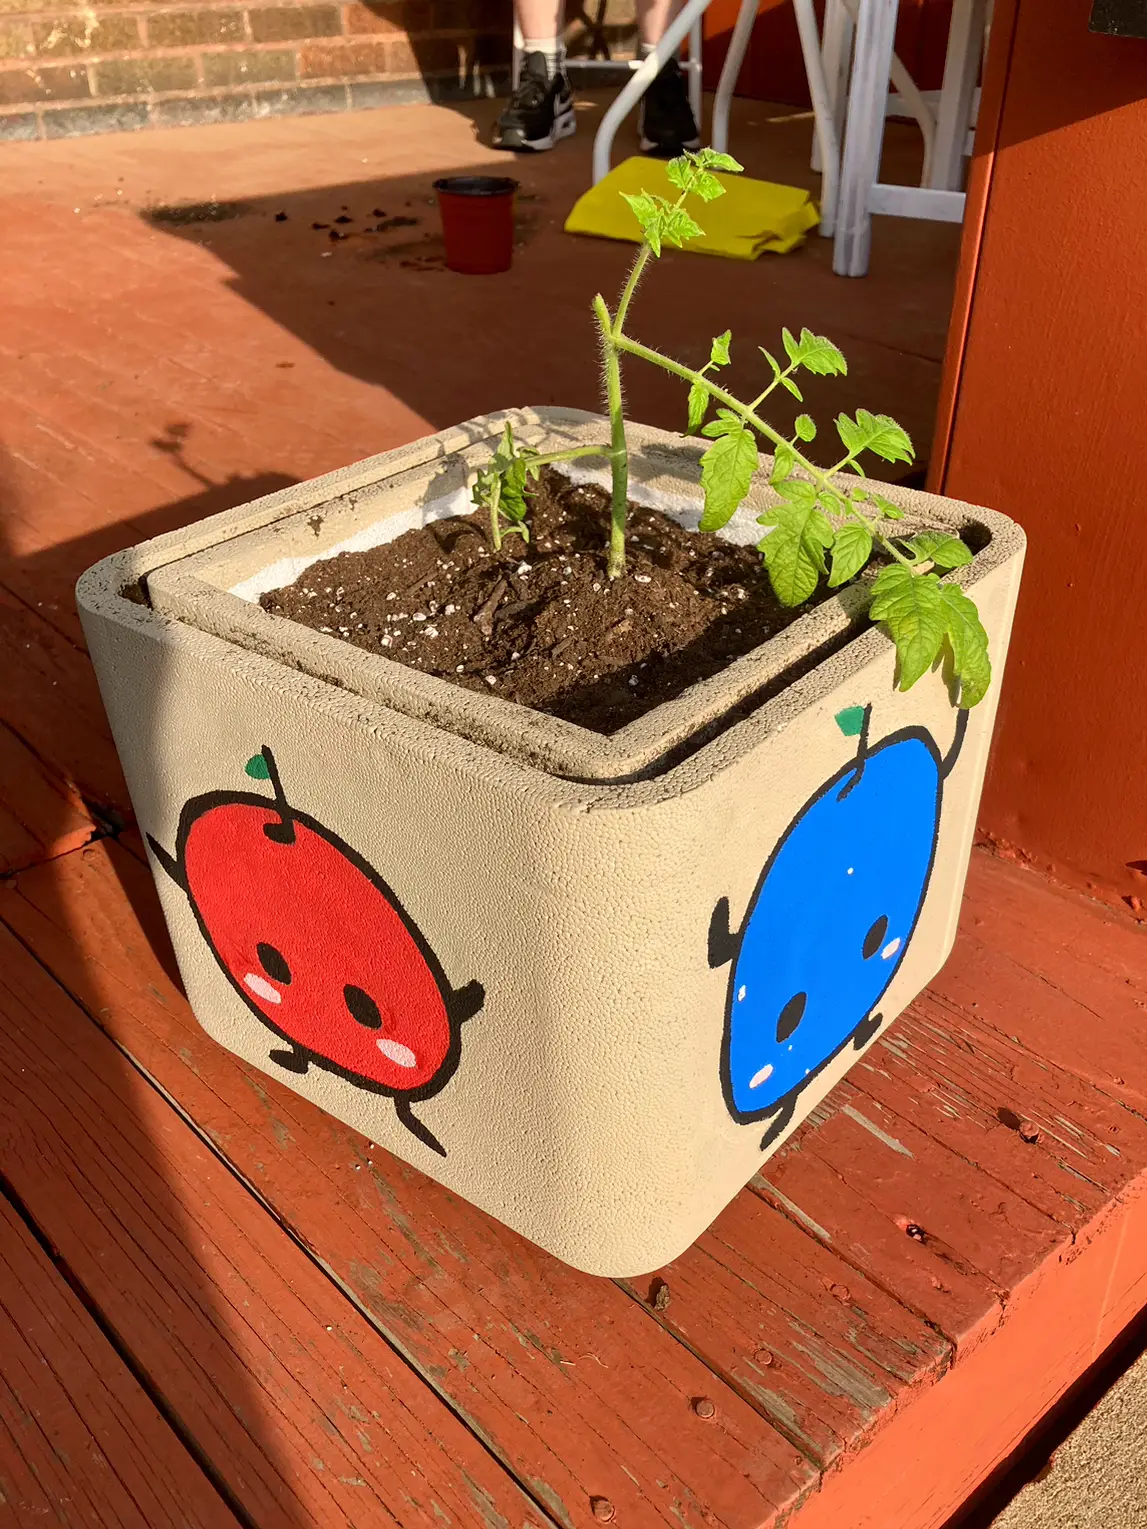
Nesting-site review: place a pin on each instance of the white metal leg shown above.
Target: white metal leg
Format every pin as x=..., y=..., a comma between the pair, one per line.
x=835, y=58
x=516, y=57
x=730, y=72
x=695, y=68
x=863, y=134
x=822, y=108
x=639, y=82
x=961, y=66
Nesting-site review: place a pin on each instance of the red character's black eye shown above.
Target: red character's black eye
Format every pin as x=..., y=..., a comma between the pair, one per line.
x=273, y=963
x=362, y=1007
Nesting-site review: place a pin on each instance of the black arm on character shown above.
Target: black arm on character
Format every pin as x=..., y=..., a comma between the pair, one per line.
x=464, y=1002
x=169, y=863
x=722, y=941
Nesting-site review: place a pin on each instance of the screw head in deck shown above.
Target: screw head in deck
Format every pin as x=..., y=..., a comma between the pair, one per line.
x=602, y=1509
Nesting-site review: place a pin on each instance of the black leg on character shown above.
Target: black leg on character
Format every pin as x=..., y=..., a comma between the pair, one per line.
x=405, y=1113
x=780, y=1121
x=292, y=1059
x=865, y=1030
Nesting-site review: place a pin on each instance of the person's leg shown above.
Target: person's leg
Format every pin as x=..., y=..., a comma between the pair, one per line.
x=540, y=22
x=665, y=124
x=540, y=111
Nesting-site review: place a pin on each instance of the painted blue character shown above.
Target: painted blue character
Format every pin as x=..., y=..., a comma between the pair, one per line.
x=830, y=920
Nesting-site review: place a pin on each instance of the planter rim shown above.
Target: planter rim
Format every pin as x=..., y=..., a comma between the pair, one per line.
x=189, y=576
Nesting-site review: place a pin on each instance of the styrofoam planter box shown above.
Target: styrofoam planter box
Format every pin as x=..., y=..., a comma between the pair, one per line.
x=587, y=982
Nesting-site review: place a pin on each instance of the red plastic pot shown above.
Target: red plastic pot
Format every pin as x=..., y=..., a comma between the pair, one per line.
x=477, y=222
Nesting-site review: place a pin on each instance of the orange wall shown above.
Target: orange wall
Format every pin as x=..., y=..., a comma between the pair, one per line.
x=1046, y=419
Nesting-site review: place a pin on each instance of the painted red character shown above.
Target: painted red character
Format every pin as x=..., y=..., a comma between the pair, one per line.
x=318, y=947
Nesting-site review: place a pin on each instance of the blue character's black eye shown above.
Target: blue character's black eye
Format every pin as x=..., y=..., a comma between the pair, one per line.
x=791, y=1016
x=362, y=1007
x=874, y=939
x=273, y=963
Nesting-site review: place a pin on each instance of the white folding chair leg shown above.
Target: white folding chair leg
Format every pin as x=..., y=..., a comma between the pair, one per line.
x=696, y=76
x=730, y=72
x=640, y=81
x=863, y=134
x=835, y=58
x=822, y=113
x=516, y=57
x=961, y=66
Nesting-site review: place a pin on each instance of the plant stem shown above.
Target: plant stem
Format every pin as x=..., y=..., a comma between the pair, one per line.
x=619, y=455
x=630, y=287
x=634, y=348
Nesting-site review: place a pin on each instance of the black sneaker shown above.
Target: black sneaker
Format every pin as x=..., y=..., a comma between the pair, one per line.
x=666, y=126
x=540, y=110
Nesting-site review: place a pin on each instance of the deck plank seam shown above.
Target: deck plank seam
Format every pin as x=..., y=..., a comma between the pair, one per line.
x=185, y=1438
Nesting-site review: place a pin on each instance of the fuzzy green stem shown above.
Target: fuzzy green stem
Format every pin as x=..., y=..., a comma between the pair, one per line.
x=634, y=348
x=619, y=455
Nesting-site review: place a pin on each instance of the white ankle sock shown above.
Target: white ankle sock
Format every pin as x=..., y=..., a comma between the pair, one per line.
x=552, y=47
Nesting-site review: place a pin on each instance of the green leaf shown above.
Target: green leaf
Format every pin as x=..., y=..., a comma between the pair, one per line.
x=914, y=612
x=798, y=491
x=706, y=186
x=814, y=352
x=719, y=355
x=772, y=360
x=650, y=214
x=726, y=423
x=794, y=550
x=787, y=382
x=677, y=226
x=850, y=552
x=820, y=356
x=805, y=427
x=678, y=171
x=939, y=548
x=850, y=721
x=886, y=507
x=698, y=405
x=258, y=768
x=713, y=159
x=877, y=433
x=726, y=471
x=969, y=643
x=783, y=464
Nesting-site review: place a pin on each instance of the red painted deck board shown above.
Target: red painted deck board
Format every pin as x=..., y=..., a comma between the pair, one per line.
x=81, y=1444
x=301, y=1409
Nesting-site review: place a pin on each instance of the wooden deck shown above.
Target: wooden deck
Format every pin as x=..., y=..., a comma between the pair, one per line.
x=219, y=1307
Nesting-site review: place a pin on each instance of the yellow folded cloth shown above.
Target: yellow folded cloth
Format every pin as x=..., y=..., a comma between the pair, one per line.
x=752, y=217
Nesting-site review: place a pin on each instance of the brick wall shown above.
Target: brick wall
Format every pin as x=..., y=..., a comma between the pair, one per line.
x=115, y=67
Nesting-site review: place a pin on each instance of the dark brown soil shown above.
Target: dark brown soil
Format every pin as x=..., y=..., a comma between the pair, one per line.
x=541, y=624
